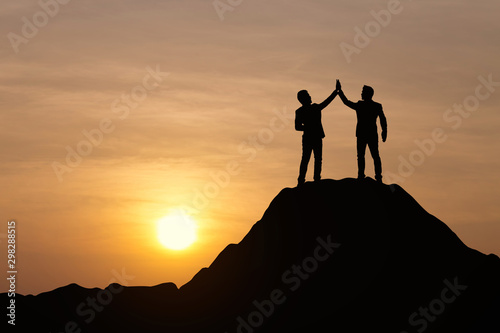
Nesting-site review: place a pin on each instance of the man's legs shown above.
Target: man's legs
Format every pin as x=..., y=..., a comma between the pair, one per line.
x=306, y=156
x=361, y=147
x=373, y=145
x=318, y=157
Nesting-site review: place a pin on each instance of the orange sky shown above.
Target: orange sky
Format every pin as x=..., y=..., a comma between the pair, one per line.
x=229, y=97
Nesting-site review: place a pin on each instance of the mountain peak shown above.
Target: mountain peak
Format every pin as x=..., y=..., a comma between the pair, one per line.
x=347, y=255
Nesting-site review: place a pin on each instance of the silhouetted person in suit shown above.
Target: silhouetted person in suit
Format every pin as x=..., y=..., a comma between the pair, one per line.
x=367, y=112
x=308, y=120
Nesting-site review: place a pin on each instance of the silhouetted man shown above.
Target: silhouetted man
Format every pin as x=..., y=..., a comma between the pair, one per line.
x=308, y=119
x=367, y=112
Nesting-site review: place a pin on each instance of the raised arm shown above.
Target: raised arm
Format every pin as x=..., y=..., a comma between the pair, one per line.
x=327, y=101
x=347, y=102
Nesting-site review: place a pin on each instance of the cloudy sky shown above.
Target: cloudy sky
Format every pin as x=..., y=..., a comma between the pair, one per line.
x=117, y=113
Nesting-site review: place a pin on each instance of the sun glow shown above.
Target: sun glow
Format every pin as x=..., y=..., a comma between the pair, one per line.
x=176, y=231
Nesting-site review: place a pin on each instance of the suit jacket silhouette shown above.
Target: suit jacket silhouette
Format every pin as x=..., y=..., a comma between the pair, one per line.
x=367, y=113
x=308, y=119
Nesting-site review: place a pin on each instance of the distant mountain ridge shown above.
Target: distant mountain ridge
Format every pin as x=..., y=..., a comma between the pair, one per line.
x=337, y=255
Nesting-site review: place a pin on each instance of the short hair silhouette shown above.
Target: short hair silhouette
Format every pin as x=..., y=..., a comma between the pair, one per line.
x=368, y=92
x=303, y=97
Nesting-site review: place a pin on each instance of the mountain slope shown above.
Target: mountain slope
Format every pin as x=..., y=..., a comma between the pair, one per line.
x=346, y=256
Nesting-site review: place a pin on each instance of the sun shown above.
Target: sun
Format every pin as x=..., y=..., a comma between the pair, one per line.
x=176, y=231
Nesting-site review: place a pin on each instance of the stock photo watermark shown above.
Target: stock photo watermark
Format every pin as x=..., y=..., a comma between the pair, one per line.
x=223, y=6
x=247, y=151
x=31, y=26
x=11, y=272
x=454, y=118
x=292, y=279
x=426, y=315
x=121, y=107
x=93, y=305
x=372, y=29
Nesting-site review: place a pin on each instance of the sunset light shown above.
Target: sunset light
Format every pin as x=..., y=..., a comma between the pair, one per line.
x=176, y=231
x=144, y=137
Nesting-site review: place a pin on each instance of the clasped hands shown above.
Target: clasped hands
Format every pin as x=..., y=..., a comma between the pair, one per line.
x=338, y=87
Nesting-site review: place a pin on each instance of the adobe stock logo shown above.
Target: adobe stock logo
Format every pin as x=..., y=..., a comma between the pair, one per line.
x=428, y=314
x=372, y=29
x=30, y=28
x=292, y=278
x=92, y=306
x=223, y=6
x=121, y=107
x=454, y=117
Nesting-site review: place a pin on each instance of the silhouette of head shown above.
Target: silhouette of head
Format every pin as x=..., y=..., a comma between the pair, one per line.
x=304, y=97
x=367, y=93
